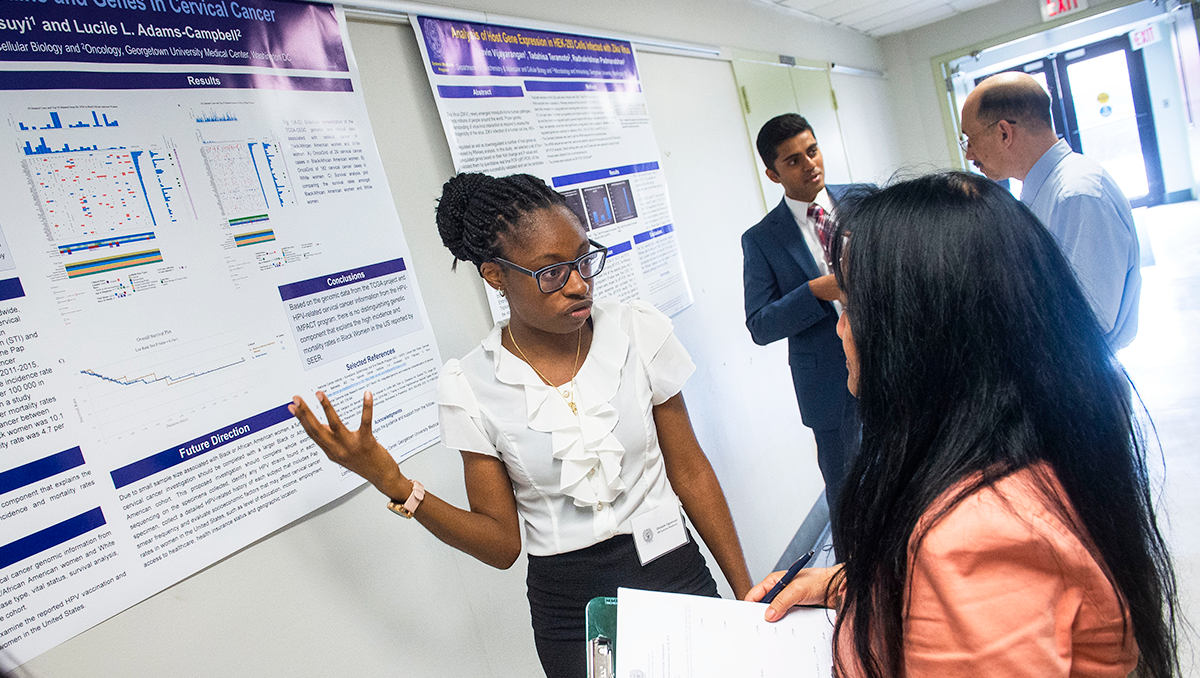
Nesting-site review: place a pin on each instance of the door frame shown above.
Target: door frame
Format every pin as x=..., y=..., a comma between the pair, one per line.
x=942, y=69
x=1062, y=104
x=1142, y=107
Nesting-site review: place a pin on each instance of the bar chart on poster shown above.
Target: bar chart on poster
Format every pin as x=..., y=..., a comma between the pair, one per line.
x=180, y=254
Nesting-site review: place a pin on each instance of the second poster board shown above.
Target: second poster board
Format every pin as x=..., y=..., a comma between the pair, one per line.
x=570, y=110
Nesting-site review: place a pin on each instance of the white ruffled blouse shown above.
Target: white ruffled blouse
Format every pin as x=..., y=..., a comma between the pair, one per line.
x=578, y=478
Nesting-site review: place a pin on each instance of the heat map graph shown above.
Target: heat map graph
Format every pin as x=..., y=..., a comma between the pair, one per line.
x=248, y=176
x=253, y=238
x=234, y=176
x=102, y=243
x=113, y=263
x=89, y=194
x=88, y=180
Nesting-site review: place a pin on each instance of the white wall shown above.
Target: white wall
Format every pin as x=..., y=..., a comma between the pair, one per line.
x=873, y=142
x=741, y=399
x=352, y=590
x=1170, y=116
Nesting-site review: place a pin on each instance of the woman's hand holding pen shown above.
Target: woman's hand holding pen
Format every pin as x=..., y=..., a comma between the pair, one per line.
x=808, y=588
x=358, y=450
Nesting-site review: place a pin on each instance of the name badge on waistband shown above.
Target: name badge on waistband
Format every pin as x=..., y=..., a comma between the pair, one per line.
x=658, y=531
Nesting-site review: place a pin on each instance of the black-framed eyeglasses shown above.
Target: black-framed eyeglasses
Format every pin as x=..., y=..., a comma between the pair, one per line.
x=964, y=144
x=554, y=277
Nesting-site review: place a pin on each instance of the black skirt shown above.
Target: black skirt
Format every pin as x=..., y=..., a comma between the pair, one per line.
x=560, y=587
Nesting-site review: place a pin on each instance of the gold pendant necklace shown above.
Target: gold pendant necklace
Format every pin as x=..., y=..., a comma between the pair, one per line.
x=568, y=396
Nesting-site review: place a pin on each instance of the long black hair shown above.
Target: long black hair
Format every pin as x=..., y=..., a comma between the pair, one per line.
x=979, y=356
x=475, y=210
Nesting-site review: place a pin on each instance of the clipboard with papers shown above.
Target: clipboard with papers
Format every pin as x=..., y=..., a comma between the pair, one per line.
x=601, y=620
x=671, y=635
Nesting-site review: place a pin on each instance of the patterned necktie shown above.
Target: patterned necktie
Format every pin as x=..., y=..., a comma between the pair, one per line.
x=824, y=228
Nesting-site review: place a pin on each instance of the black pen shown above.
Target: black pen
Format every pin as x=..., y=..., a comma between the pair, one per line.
x=788, y=577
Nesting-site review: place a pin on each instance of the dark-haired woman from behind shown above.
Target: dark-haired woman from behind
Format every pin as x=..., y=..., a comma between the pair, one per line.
x=569, y=418
x=1002, y=521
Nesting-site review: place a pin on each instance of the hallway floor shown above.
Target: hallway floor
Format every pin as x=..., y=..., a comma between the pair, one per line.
x=1164, y=363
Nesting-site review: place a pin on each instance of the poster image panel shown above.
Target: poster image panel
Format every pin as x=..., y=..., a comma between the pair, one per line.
x=574, y=202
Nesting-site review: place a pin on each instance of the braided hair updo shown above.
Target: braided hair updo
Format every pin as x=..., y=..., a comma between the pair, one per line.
x=475, y=209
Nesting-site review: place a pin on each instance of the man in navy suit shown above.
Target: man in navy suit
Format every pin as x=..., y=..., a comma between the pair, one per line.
x=791, y=293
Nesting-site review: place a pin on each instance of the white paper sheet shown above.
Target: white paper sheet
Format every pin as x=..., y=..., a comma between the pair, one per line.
x=670, y=635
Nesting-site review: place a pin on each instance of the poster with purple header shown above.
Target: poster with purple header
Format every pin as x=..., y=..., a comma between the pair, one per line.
x=570, y=110
x=196, y=227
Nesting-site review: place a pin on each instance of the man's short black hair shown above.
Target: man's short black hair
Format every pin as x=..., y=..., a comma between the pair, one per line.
x=776, y=131
x=1024, y=102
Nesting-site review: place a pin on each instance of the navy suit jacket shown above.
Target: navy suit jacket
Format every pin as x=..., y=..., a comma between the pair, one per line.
x=777, y=266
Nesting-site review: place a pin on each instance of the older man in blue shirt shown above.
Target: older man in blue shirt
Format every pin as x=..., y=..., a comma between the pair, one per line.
x=1009, y=133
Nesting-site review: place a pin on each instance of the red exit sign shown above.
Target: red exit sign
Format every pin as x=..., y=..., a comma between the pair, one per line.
x=1053, y=9
x=1145, y=36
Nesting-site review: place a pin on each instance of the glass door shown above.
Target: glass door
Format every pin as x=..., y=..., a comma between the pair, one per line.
x=1100, y=103
x=1106, y=122
x=1107, y=103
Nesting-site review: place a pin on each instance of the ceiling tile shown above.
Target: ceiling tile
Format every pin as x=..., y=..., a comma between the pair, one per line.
x=886, y=12
x=803, y=5
x=881, y=17
x=851, y=14
x=968, y=5
x=829, y=10
x=909, y=22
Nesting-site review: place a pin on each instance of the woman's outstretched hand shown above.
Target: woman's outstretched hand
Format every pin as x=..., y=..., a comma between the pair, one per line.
x=808, y=588
x=355, y=450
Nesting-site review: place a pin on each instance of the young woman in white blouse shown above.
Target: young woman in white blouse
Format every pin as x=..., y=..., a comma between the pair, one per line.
x=569, y=418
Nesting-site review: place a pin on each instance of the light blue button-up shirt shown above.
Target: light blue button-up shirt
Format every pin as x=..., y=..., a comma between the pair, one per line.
x=1087, y=213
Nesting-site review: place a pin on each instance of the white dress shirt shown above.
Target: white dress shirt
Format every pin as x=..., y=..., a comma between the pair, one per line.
x=808, y=227
x=578, y=479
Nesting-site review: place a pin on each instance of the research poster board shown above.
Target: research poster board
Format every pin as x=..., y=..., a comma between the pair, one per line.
x=570, y=110
x=196, y=227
